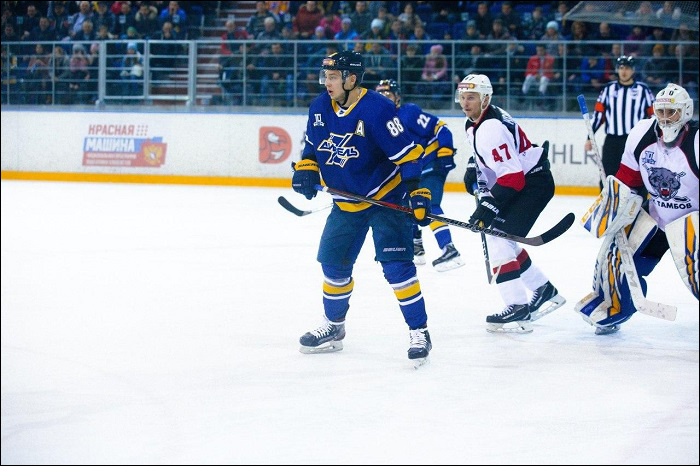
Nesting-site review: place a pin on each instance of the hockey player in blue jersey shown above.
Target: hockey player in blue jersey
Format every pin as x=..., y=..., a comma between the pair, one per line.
x=433, y=134
x=355, y=140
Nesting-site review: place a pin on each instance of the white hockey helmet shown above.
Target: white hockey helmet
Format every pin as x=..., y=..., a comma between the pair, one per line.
x=479, y=83
x=673, y=109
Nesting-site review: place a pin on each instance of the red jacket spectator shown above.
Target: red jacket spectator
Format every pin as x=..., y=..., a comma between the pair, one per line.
x=307, y=19
x=540, y=65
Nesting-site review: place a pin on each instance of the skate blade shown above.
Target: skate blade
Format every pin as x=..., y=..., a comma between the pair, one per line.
x=452, y=264
x=552, y=305
x=513, y=327
x=606, y=330
x=419, y=260
x=420, y=362
x=330, y=347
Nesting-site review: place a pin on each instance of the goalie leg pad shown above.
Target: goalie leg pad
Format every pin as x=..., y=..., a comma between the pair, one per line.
x=610, y=303
x=682, y=236
x=616, y=207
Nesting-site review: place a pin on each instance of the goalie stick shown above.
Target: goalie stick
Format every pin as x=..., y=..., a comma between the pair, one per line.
x=643, y=305
x=554, y=232
x=298, y=212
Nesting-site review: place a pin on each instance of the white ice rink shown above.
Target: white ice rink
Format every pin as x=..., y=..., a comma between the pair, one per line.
x=160, y=324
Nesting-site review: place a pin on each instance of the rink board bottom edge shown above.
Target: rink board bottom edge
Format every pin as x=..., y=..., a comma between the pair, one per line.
x=218, y=181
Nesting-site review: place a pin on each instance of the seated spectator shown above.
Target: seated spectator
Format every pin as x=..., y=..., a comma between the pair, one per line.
x=27, y=23
x=103, y=33
x=9, y=34
x=593, y=74
x=409, y=18
x=269, y=33
x=124, y=20
x=231, y=74
x=347, y=34
x=510, y=19
x=444, y=15
x=420, y=34
x=396, y=34
x=656, y=69
x=44, y=32
x=164, y=54
x=85, y=14
x=104, y=16
x=307, y=19
x=378, y=65
x=669, y=14
x=605, y=32
x=475, y=62
x=256, y=23
x=434, y=76
x=361, y=18
x=281, y=12
x=132, y=71
x=147, y=20
x=498, y=33
x=658, y=34
x=80, y=76
x=633, y=47
x=559, y=17
x=411, y=68
x=61, y=20
x=87, y=32
x=552, y=36
x=540, y=68
x=484, y=21
x=277, y=85
x=386, y=18
x=331, y=24
x=534, y=27
x=177, y=16
x=374, y=34
x=232, y=33
x=37, y=76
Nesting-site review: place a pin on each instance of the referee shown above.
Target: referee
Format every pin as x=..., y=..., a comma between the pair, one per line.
x=621, y=104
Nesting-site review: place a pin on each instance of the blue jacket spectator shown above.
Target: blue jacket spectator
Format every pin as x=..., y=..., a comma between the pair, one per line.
x=176, y=16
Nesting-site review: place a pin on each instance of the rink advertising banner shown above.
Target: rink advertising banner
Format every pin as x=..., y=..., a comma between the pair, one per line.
x=220, y=148
x=119, y=145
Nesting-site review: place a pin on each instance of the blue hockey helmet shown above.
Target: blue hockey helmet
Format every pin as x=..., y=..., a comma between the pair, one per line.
x=347, y=62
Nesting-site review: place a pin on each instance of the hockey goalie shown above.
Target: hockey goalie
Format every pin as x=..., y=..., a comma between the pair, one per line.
x=661, y=154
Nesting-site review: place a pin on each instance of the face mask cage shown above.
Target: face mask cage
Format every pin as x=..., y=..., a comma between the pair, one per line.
x=668, y=116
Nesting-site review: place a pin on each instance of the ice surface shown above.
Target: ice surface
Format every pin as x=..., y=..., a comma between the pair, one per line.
x=160, y=324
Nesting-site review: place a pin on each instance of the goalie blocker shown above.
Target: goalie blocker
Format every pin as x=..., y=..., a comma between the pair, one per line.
x=610, y=304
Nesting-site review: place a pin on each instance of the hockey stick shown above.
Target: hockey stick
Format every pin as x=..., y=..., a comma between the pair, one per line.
x=484, y=247
x=298, y=212
x=643, y=305
x=554, y=232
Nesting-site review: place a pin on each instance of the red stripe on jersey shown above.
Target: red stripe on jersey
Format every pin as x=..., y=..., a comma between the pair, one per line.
x=508, y=267
x=522, y=257
x=512, y=180
x=599, y=107
x=630, y=177
x=524, y=141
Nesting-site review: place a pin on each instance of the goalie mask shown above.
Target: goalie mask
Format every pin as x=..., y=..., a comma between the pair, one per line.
x=673, y=109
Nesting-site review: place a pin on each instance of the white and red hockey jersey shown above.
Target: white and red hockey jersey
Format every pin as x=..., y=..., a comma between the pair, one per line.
x=670, y=174
x=502, y=151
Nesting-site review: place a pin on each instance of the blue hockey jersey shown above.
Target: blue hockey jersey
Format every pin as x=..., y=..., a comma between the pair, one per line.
x=428, y=131
x=363, y=149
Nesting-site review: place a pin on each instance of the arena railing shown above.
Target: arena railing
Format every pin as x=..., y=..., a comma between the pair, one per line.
x=206, y=73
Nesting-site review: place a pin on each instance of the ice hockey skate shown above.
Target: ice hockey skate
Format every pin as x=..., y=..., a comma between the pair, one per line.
x=450, y=259
x=420, y=347
x=607, y=330
x=545, y=299
x=513, y=319
x=325, y=339
x=418, y=251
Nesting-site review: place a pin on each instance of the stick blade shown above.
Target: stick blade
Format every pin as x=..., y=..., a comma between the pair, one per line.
x=557, y=230
x=288, y=206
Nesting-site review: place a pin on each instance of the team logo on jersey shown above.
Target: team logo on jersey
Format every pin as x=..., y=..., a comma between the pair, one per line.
x=317, y=120
x=275, y=144
x=340, y=153
x=649, y=157
x=666, y=183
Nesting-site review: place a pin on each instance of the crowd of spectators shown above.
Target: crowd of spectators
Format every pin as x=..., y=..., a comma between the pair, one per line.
x=499, y=39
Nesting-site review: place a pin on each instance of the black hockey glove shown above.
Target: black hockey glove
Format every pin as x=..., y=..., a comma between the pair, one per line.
x=306, y=177
x=487, y=210
x=445, y=163
x=470, y=178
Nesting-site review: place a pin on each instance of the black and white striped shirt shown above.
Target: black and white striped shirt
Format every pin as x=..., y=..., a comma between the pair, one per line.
x=621, y=107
